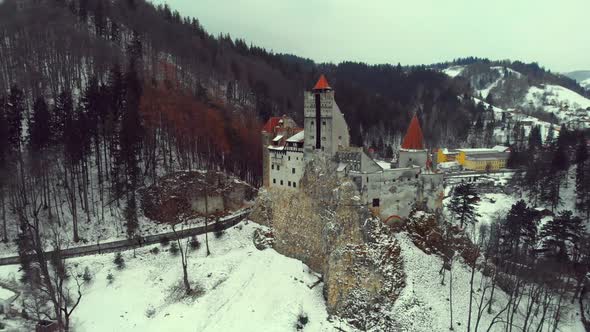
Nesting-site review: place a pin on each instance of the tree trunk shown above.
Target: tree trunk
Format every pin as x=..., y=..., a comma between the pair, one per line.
x=451, y=293
x=4, y=227
x=470, y=297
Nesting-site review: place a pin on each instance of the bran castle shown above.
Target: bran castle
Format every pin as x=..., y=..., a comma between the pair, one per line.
x=390, y=189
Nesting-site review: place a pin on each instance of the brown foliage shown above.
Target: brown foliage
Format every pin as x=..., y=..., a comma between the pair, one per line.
x=428, y=234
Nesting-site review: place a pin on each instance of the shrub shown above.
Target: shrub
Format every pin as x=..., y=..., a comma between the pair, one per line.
x=2, y=326
x=87, y=276
x=174, y=248
x=110, y=278
x=302, y=320
x=150, y=312
x=165, y=241
x=119, y=261
x=155, y=250
x=195, y=244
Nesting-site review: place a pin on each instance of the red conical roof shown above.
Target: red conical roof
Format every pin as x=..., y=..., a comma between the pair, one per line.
x=322, y=84
x=413, y=138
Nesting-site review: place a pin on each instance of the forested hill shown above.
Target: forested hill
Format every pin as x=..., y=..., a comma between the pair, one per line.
x=66, y=43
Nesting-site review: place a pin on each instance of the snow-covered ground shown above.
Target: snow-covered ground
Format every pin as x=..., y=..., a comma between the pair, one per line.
x=557, y=95
x=454, y=71
x=423, y=305
x=244, y=289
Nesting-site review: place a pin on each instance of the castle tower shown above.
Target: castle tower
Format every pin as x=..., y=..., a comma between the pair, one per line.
x=325, y=127
x=412, y=151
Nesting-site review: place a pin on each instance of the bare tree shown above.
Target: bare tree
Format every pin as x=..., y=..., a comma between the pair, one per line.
x=183, y=259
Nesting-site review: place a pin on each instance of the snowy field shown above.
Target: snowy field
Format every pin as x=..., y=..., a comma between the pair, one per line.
x=244, y=289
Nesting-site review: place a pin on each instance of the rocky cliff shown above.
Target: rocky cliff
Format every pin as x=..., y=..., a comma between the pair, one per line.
x=324, y=225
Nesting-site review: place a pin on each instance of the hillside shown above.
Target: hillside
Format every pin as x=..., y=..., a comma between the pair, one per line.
x=538, y=94
x=84, y=39
x=581, y=76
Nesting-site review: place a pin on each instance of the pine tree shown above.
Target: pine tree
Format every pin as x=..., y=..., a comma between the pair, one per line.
x=463, y=202
x=559, y=235
x=535, y=141
x=519, y=230
x=583, y=188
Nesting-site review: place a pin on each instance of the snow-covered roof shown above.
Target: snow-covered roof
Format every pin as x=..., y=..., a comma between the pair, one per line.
x=495, y=149
x=341, y=167
x=383, y=164
x=297, y=137
x=448, y=164
x=278, y=138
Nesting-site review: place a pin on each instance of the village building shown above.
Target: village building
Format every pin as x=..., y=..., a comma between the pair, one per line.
x=476, y=159
x=387, y=188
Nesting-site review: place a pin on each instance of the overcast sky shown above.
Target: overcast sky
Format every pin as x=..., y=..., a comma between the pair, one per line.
x=555, y=33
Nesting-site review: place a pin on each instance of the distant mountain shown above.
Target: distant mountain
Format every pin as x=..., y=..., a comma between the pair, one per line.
x=525, y=87
x=579, y=75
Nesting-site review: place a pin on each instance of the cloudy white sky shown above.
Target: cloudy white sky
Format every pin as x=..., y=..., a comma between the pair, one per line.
x=555, y=33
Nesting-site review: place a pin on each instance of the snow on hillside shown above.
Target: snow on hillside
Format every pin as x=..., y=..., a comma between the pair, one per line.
x=555, y=95
x=454, y=71
x=244, y=290
x=527, y=121
x=586, y=84
x=502, y=71
x=424, y=303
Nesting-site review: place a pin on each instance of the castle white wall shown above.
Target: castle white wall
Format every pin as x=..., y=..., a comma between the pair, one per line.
x=408, y=158
x=286, y=168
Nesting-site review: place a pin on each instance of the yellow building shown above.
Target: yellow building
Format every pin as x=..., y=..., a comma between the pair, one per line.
x=479, y=159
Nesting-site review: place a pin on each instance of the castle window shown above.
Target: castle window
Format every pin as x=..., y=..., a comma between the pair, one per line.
x=281, y=182
x=293, y=170
x=278, y=168
x=272, y=166
x=289, y=158
x=294, y=184
x=375, y=202
x=324, y=123
x=274, y=181
x=312, y=123
x=289, y=183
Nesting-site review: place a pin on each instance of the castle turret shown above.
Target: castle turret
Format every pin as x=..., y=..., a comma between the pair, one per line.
x=412, y=151
x=325, y=127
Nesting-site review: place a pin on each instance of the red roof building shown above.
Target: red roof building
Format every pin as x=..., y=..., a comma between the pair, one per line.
x=271, y=124
x=322, y=84
x=413, y=139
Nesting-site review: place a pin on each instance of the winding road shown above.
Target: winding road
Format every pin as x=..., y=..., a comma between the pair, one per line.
x=137, y=242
